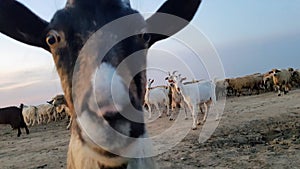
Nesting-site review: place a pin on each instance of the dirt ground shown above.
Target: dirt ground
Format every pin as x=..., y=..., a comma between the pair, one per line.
x=261, y=131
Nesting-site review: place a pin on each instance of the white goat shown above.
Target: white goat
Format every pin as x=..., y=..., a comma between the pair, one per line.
x=30, y=115
x=156, y=96
x=195, y=95
x=62, y=110
x=46, y=112
x=177, y=98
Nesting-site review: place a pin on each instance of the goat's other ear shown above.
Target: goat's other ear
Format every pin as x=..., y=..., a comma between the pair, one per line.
x=152, y=81
x=167, y=25
x=19, y=23
x=50, y=102
x=276, y=71
x=183, y=79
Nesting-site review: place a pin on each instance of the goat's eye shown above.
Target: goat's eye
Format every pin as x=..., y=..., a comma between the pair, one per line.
x=53, y=38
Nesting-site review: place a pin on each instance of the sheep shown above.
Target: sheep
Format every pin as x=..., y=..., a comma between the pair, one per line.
x=61, y=107
x=63, y=111
x=281, y=80
x=295, y=78
x=86, y=69
x=13, y=116
x=268, y=82
x=46, y=112
x=156, y=96
x=249, y=82
x=221, y=87
x=58, y=100
x=30, y=115
x=195, y=95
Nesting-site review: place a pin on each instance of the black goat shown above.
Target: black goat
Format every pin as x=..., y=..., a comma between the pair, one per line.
x=13, y=116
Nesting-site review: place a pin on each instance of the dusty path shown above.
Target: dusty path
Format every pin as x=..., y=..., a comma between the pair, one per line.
x=260, y=131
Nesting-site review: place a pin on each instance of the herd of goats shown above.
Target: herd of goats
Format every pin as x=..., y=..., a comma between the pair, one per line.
x=190, y=95
x=29, y=115
x=202, y=94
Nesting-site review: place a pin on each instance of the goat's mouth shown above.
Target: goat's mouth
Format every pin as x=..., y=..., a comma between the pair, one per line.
x=110, y=130
x=171, y=81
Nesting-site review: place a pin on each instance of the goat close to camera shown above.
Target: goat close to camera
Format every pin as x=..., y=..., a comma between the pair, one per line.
x=83, y=73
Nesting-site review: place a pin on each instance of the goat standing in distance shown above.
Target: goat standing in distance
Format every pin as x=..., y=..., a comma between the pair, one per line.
x=156, y=96
x=65, y=36
x=195, y=95
x=13, y=116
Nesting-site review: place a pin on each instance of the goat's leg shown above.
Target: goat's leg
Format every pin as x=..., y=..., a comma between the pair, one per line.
x=194, y=114
x=173, y=109
x=168, y=109
x=49, y=117
x=19, y=131
x=184, y=108
x=33, y=122
x=26, y=129
x=202, y=111
x=205, y=112
x=279, y=90
x=158, y=109
x=150, y=111
x=172, y=114
x=70, y=123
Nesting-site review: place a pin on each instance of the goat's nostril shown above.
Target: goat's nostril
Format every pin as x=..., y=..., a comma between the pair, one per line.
x=51, y=40
x=112, y=116
x=58, y=39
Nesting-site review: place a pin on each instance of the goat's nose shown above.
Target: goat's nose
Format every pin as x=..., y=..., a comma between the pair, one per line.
x=113, y=117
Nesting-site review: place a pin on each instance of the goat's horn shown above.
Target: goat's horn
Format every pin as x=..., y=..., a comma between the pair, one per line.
x=174, y=72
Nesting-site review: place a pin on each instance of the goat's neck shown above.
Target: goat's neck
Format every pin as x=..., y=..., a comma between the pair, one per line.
x=81, y=155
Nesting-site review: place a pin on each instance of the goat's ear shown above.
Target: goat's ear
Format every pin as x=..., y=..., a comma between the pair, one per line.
x=19, y=23
x=152, y=81
x=183, y=79
x=276, y=71
x=167, y=78
x=167, y=25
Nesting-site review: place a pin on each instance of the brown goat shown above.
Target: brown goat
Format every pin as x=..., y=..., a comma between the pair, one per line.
x=13, y=116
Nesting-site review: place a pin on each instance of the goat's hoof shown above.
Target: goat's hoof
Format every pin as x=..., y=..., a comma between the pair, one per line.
x=186, y=118
x=279, y=94
x=159, y=116
x=171, y=119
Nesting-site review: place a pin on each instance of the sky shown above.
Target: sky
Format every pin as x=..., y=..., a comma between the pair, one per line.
x=225, y=39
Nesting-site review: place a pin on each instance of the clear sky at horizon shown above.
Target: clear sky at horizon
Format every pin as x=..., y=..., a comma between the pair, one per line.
x=249, y=37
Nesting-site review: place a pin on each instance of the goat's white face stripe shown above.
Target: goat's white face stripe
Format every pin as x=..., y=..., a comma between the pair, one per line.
x=104, y=81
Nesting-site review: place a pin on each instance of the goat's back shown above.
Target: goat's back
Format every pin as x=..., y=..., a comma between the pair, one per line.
x=12, y=116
